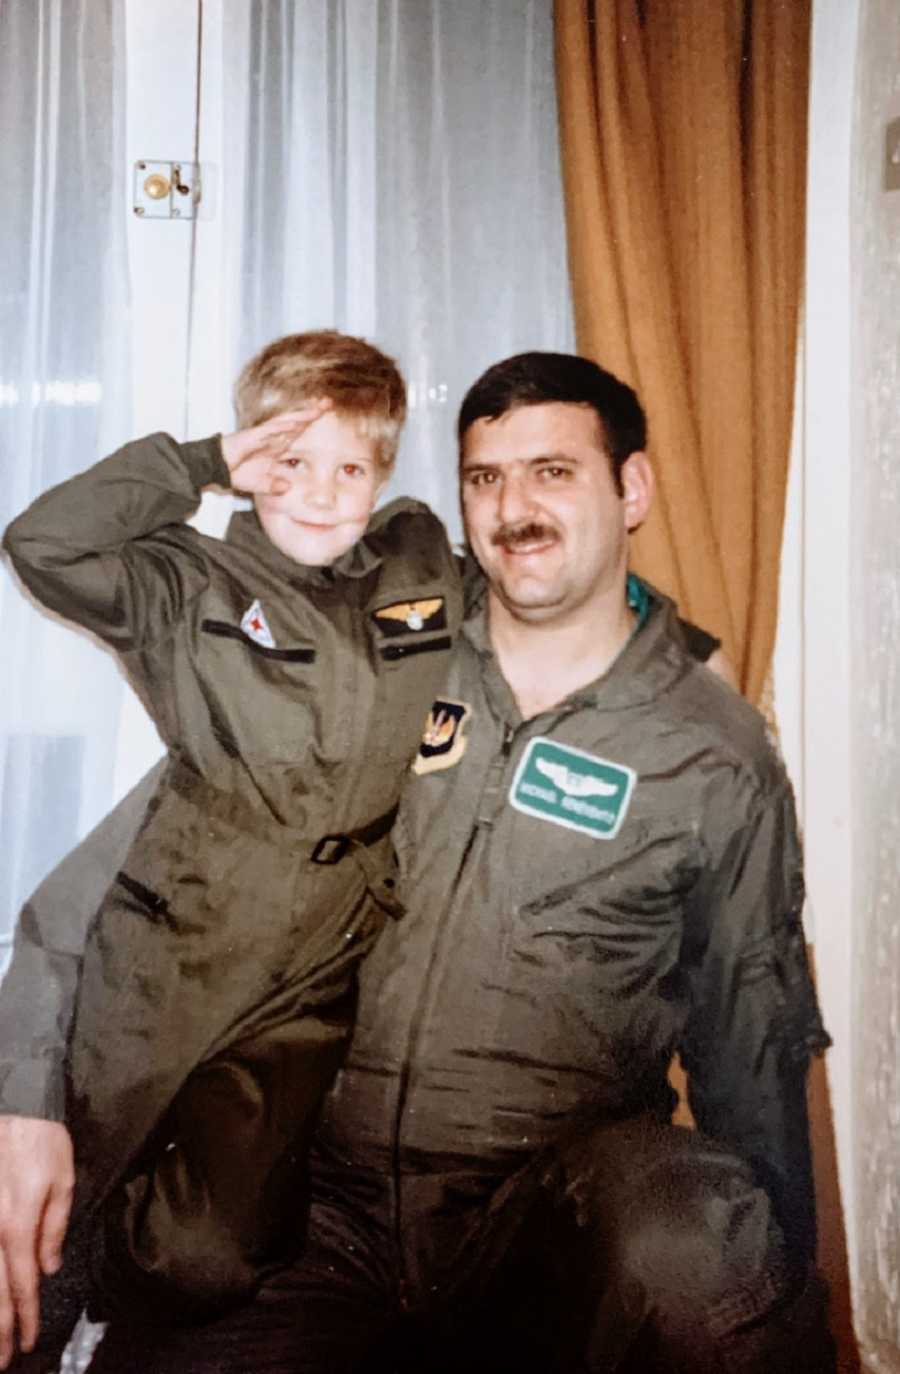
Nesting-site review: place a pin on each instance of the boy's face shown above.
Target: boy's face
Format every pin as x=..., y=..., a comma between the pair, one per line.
x=335, y=481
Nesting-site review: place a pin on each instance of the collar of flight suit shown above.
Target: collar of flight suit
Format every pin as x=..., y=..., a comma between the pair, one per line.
x=245, y=532
x=648, y=665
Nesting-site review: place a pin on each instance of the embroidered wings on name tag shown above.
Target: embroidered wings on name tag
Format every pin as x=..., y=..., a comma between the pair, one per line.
x=570, y=787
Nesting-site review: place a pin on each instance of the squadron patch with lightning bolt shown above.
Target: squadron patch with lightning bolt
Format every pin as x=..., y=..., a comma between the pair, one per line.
x=443, y=740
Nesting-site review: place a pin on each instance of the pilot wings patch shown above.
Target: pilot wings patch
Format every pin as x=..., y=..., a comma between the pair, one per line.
x=403, y=616
x=570, y=787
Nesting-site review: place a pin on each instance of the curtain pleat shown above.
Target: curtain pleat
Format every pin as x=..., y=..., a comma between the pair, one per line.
x=776, y=118
x=682, y=126
x=65, y=377
x=403, y=182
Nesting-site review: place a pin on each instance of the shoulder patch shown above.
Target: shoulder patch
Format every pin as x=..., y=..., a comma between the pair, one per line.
x=572, y=788
x=256, y=627
x=403, y=616
x=443, y=740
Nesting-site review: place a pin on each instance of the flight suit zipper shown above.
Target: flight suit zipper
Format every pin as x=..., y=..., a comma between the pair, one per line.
x=495, y=772
x=358, y=656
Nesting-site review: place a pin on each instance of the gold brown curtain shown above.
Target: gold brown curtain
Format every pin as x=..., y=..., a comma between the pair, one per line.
x=683, y=131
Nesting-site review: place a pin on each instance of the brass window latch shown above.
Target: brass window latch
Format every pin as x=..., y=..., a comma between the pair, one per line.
x=166, y=190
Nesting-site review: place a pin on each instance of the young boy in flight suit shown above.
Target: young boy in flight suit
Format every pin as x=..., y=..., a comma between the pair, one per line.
x=288, y=669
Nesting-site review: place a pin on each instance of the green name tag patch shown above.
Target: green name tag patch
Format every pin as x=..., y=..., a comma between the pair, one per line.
x=570, y=787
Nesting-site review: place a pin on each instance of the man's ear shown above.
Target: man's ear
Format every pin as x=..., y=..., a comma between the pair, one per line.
x=638, y=487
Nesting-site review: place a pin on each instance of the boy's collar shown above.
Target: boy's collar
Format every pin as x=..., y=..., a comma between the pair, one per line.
x=245, y=532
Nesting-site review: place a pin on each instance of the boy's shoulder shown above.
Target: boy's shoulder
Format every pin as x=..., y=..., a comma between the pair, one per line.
x=411, y=545
x=403, y=508
x=402, y=524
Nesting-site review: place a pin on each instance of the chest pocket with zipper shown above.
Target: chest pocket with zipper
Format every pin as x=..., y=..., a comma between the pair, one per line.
x=263, y=701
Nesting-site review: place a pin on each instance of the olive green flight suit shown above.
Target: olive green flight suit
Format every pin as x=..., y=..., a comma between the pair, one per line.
x=217, y=988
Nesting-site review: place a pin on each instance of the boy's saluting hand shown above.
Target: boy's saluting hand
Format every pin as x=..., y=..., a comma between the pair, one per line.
x=253, y=455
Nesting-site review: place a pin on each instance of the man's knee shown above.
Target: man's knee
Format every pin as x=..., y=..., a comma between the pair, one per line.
x=688, y=1259
x=697, y=1231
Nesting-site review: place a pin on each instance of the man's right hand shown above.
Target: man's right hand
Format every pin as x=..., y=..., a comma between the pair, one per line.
x=37, y=1176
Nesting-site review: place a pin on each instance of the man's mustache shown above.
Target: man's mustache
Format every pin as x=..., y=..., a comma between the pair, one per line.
x=532, y=532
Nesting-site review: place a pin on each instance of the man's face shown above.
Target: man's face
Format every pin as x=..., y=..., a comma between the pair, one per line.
x=541, y=509
x=335, y=480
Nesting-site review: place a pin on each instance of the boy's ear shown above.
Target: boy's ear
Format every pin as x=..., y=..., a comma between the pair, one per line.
x=638, y=487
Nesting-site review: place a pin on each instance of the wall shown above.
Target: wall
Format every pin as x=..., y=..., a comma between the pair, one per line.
x=822, y=562
x=837, y=678
x=875, y=658
x=179, y=318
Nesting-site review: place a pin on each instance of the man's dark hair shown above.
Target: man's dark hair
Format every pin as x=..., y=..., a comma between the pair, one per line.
x=531, y=379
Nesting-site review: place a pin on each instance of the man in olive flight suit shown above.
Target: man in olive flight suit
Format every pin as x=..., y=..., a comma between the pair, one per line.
x=600, y=867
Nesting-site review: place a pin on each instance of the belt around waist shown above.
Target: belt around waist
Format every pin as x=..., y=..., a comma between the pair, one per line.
x=233, y=809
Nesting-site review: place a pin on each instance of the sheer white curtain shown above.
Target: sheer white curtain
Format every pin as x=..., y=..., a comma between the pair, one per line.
x=389, y=167
x=400, y=179
x=64, y=400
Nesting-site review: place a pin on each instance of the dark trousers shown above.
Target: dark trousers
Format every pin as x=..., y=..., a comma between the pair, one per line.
x=218, y=1198
x=221, y=1195
x=637, y=1248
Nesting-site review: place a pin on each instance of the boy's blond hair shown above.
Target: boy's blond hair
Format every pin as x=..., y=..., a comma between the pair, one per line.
x=362, y=383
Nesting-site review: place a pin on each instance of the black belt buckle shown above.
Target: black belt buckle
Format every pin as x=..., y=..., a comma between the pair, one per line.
x=321, y=853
